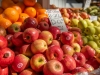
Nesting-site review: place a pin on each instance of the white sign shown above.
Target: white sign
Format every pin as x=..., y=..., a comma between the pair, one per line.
x=87, y=4
x=92, y=18
x=56, y=19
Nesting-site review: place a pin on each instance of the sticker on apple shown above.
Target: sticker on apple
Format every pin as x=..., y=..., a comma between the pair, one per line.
x=56, y=19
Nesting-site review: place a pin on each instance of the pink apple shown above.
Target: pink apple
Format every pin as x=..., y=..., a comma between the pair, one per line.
x=4, y=71
x=26, y=50
x=30, y=35
x=68, y=63
x=37, y=62
x=67, y=49
x=39, y=46
x=20, y=63
x=67, y=38
x=54, y=52
x=79, y=58
x=88, y=51
x=55, y=32
x=17, y=39
x=53, y=67
x=46, y=36
x=55, y=42
x=88, y=67
x=3, y=42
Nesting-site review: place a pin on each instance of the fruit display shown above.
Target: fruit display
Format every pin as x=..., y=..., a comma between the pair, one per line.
x=31, y=45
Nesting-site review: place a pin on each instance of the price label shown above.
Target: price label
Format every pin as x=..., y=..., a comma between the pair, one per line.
x=56, y=19
x=92, y=18
x=87, y=4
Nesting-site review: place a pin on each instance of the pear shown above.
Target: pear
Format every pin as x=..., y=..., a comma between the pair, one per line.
x=93, y=44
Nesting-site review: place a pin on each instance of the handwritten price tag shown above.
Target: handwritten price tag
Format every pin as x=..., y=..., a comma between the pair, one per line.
x=87, y=4
x=56, y=19
x=92, y=18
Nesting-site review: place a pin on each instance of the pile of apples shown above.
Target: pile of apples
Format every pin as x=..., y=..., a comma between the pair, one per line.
x=42, y=49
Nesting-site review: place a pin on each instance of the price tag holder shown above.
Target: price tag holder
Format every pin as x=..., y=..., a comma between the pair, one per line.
x=56, y=19
x=87, y=4
x=92, y=18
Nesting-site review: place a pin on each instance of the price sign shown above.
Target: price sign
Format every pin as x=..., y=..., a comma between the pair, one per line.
x=92, y=18
x=56, y=19
x=87, y=4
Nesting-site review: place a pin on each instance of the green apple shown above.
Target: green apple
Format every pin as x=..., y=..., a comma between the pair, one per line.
x=90, y=38
x=85, y=40
x=95, y=37
x=93, y=44
x=96, y=23
x=82, y=24
x=89, y=22
x=98, y=42
x=90, y=30
x=97, y=28
x=97, y=50
x=74, y=22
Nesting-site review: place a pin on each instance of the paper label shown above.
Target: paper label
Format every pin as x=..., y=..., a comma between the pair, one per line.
x=87, y=4
x=92, y=18
x=56, y=19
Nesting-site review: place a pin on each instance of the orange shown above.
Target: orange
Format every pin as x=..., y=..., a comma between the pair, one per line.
x=1, y=16
x=30, y=11
x=17, y=8
x=18, y=23
x=21, y=5
x=40, y=17
x=41, y=11
x=11, y=14
x=29, y=2
x=22, y=17
x=5, y=23
x=1, y=10
x=6, y=3
x=37, y=6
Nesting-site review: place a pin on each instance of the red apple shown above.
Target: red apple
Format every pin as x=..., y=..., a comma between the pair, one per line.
x=26, y=50
x=4, y=71
x=6, y=57
x=55, y=32
x=68, y=63
x=53, y=67
x=79, y=58
x=28, y=71
x=3, y=42
x=37, y=62
x=20, y=63
x=54, y=52
x=67, y=49
x=46, y=36
x=30, y=35
x=66, y=20
x=65, y=15
x=29, y=22
x=43, y=26
x=63, y=10
x=55, y=42
x=38, y=46
x=66, y=74
x=84, y=15
x=67, y=38
x=17, y=39
x=88, y=51
x=88, y=67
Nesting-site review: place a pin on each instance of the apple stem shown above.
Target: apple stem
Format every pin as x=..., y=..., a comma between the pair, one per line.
x=6, y=55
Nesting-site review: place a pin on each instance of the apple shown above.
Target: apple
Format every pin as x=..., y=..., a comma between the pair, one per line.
x=67, y=49
x=63, y=10
x=26, y=50
x=39, y=46
x=3, y=31
x=97, y=57
x=54, y=52
x=4, y=71
x=66, y=20
x=43, y=26
x=74, y=22
x=46, y=36
x=9, y=40
x=12, y=29
x=89, y=22
x=88, y=51
x=67, y=38
x=20, y=63
x=55, y=31
x=53, y=67
x=28, y=71
x=17, y=39
x=46, y=19
x=88, y=67
x=3, y=42
x=95, y=22
x=79, y=70
x=97, y=28
x=68, y=63
x=29, y=22
x=79, y=58
x=76, y=47
x=85, y=40
x=65, y=15
x=37, y=62
x=55, y=42
x=66, y=74
x=84, y=15
x=6, y=57
x=30, y=35
x=11, y=71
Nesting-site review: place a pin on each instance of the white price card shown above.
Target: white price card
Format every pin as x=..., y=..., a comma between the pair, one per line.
x=92, y=18
x=56, y=19
x=87, y=4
